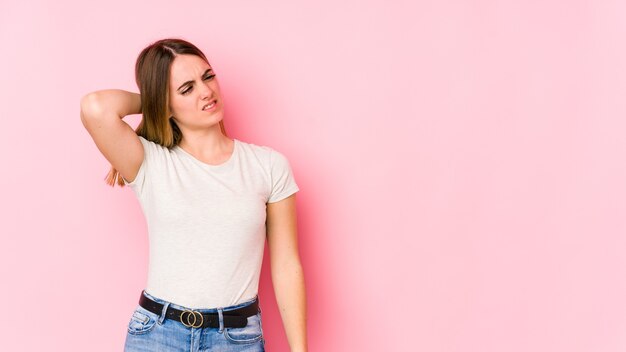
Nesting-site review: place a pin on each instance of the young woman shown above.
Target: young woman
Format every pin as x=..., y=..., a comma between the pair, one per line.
x=209, y=201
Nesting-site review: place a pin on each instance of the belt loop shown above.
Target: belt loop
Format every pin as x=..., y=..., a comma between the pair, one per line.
x=162, y=317
x=221, y=318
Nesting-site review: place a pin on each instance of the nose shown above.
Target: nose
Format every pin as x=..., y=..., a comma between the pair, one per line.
x=206, y=91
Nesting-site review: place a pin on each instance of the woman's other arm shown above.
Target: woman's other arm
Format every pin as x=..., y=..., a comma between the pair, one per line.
x=286, y=270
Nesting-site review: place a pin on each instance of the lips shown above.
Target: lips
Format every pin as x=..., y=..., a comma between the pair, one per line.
x=214, y=101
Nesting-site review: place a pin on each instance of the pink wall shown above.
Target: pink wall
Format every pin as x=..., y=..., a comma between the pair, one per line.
x=461, y=167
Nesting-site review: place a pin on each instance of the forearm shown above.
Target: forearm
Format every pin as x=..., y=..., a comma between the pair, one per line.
x=111, y=102
x=288, y=282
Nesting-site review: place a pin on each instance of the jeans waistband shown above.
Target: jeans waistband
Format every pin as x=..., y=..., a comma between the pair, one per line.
x=201, y=310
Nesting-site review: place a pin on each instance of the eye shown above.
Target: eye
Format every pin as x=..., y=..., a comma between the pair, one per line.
x=209, y=77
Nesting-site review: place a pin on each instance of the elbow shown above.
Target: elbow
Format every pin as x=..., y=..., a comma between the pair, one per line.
x=89, y=106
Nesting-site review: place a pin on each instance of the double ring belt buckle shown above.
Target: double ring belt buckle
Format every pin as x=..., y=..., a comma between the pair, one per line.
x=187, y=321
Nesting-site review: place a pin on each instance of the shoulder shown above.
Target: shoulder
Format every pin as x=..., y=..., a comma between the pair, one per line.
x=275, y=163
x=268, y=155
x=152, y=147
x=262, y=152
x=146, y=141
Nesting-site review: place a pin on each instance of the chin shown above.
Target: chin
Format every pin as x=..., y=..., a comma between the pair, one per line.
x=214, y=118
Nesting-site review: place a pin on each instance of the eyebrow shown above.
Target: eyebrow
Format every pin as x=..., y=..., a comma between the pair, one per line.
x=189, y=82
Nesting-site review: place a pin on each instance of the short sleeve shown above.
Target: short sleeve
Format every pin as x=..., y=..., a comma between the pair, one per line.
x=148, y=154
x=282, y=179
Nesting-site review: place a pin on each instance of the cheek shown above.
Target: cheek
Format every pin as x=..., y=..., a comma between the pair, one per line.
x=181, y=104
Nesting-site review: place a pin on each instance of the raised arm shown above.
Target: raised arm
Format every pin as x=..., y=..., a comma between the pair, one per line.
x=102, y=113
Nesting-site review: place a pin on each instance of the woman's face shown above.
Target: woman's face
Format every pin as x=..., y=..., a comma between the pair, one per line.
x=192, y=86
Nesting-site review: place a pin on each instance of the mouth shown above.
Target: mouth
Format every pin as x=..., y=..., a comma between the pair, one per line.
x=210, y=106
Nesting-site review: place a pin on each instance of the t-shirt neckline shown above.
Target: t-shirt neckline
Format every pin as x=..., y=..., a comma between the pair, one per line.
x=223, y=165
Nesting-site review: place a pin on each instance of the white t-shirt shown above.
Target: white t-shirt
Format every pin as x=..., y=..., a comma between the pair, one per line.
x=206, y=223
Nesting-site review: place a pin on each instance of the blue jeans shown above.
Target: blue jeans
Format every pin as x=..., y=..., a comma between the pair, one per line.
x=148, y=331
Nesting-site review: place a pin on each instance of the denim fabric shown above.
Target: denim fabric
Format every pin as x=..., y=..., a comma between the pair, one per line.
x=152, y=332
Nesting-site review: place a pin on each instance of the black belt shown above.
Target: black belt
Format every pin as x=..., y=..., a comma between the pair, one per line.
x=236, y=318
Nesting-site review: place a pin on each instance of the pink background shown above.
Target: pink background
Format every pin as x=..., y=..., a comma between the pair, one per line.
x=461, y=167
